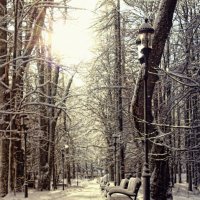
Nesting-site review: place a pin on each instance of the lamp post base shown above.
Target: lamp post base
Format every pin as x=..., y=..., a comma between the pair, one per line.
x=26, y=189
x=63, y=185
x=146, y=182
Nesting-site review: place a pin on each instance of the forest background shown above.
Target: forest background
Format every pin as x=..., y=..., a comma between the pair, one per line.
x=49, y=102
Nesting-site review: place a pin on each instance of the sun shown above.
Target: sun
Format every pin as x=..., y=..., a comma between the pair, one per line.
x=71, y=41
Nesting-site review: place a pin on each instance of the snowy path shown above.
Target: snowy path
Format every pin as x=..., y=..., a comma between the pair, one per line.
x=89, y=191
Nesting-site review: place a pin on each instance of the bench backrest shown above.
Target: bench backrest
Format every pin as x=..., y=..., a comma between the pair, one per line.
x=134, y=185
x=124, y=183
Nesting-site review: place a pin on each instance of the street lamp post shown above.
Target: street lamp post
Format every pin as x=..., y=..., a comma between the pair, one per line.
x=68, y=181
x=63, y=163
x=25, y=166
x=144, y=42
x=77, y=174
x=24, y=119
x=115, y=158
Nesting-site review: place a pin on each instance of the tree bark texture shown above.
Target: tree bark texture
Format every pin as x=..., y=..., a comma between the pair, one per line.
x=14, y=177
x=4, y=137
x=118, y=74
x=44, y=142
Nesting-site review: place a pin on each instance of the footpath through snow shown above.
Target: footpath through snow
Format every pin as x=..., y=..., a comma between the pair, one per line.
x=90, y=190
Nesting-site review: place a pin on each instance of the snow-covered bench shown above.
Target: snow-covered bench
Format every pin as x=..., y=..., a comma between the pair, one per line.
x=104, y=181
x=131, y=192
x=123, y=184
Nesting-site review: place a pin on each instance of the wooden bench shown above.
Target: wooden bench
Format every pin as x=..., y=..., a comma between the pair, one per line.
x=31, y=183
x=104, y=181
x=104, y=185
x=123, y=184
x=131, y=192
x=60, y=184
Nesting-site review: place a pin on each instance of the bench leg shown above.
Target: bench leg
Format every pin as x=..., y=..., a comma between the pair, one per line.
x=132, y=197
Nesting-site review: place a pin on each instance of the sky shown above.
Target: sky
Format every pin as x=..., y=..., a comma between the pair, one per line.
x=73, y=39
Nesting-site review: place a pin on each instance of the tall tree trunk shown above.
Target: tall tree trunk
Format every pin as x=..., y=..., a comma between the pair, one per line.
x=4, y=136
x=17, y=167
x=53, y=117
x=179, y=161
x=51, y=124
x=44, y=144
x=118, y=91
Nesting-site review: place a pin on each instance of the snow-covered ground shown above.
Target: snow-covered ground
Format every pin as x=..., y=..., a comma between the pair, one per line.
x=90, y=190
x=180, y=192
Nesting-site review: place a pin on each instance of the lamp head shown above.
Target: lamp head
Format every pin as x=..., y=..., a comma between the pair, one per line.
x=146, y=28
x=115, y=136
x=66, y=146
x=144, y=39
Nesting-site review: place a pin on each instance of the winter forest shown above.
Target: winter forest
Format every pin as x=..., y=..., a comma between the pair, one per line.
x=87, y=117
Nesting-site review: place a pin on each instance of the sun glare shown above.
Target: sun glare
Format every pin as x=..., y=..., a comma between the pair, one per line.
x=71, y=41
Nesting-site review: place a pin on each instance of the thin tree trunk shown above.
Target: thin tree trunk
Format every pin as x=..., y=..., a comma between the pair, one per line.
x=4, y=141
x=118, y=80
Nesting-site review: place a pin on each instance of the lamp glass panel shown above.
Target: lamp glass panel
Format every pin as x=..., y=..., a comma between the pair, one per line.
x=146, y=40
x=150, y=36
x=140, y=54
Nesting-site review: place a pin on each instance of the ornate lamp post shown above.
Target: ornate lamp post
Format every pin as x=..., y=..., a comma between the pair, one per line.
x=144, y=42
